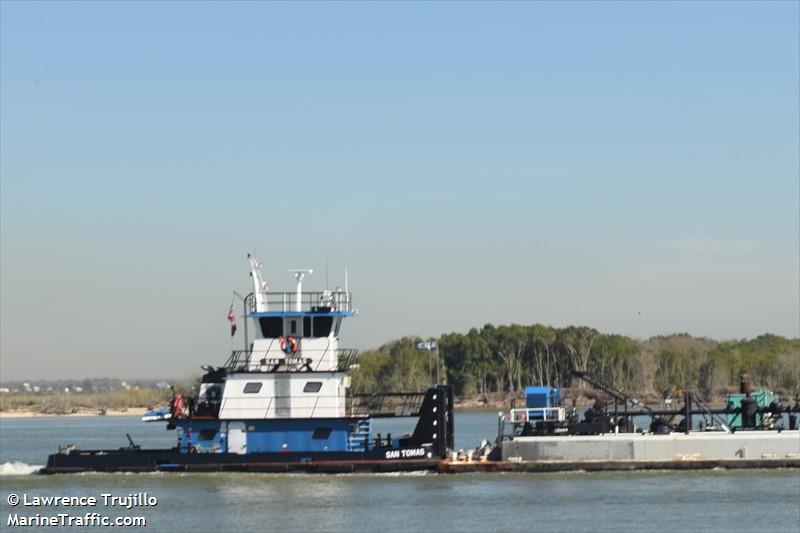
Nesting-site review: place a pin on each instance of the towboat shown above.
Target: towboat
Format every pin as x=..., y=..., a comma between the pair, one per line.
x=281, y=404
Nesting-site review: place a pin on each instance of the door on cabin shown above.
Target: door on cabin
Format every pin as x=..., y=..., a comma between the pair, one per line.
x=237, y=438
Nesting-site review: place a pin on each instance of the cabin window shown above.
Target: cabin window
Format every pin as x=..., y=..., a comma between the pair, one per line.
x=252, y=387
x=322, y=326
x=312, y=386
x=207, y=434
x=271, y=327
x=293, y=327
x=321, y=433
x=307, y=326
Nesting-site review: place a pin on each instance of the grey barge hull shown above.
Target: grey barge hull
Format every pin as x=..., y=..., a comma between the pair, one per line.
x=636, y=448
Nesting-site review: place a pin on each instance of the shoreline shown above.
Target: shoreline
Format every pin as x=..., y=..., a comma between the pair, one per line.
x=134, y=411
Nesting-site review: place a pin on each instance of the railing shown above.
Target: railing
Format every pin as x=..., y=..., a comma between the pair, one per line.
x=546, y=414
x=274, y=361
x=346, y=358
x=385, y=404
x=314, y=301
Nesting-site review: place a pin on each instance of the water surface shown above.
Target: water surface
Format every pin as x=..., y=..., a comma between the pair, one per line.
x=756, y=500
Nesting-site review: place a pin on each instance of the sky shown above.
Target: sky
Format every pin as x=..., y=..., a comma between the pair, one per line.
x=633, y=167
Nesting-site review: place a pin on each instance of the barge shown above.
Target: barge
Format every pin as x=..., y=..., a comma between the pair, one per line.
x=750, y=431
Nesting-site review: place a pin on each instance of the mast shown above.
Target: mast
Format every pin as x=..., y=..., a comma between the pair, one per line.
x=298, y=274
x=260, y=286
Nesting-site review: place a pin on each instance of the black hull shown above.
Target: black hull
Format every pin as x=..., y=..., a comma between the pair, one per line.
x=174, y=461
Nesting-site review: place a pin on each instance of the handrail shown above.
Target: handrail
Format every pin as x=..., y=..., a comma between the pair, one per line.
x=386, y=404
x=245, y=360
x=525, y=414
x=309, y=301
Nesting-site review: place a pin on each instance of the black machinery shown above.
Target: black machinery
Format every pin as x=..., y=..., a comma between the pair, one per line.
x=601, y=417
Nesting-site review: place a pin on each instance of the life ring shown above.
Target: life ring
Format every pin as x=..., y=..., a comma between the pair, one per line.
x=288, y=345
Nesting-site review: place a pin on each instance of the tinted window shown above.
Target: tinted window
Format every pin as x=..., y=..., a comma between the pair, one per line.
x=271, y=327
x=312, y=386
x=207, y=434
x=293, y=327
x=252, y=388
x=321, y=433
x=322, y=326
x=307, y=326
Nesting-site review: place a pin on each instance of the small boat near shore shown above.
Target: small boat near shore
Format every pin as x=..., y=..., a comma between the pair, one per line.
x=157, y=414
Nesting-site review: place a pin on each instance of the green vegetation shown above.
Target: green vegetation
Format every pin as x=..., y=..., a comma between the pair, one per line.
x=501, y=360
x=504, y=359
x=65, y=403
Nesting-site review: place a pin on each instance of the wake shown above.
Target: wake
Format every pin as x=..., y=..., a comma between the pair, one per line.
x=17, y=468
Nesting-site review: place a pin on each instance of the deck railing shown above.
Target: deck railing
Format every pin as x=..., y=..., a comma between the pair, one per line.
x=274, y=361
x=309, y=301
x=385, y=404
x=548, y=414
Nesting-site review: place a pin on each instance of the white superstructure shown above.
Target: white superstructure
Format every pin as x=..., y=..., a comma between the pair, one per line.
x=293, y=368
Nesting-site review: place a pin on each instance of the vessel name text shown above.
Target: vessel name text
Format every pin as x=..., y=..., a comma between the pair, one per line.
x=405, y=454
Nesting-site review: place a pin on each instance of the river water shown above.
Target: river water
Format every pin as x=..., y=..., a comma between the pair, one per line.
x=755, y=500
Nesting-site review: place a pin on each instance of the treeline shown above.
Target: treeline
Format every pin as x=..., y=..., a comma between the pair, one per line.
x=504, y=359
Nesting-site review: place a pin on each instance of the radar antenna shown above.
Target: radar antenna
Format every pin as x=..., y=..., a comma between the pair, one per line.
x=298, y=274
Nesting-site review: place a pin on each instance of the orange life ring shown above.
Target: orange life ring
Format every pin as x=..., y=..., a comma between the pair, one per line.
x=289, y=345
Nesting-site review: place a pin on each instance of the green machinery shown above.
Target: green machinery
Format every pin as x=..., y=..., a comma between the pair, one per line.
x=762, y=397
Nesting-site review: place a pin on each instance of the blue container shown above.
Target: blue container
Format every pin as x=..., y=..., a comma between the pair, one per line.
x=541, y=397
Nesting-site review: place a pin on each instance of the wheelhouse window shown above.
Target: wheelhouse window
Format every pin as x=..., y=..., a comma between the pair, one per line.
x=252, y=388
x=322, y=326
x=321, y=433
x=271, y=326
x=312, y=386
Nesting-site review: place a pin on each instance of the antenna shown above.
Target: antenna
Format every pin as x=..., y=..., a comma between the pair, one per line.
x=346, y=277
x=326, y=271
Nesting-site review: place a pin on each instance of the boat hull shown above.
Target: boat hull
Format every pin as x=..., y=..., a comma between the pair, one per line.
x=171, y=460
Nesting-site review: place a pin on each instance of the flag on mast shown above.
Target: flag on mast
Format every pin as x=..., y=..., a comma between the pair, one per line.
x=232, y=320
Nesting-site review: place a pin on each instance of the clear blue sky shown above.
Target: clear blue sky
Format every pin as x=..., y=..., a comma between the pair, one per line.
x=628, y=166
